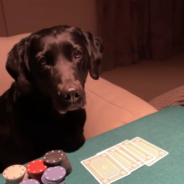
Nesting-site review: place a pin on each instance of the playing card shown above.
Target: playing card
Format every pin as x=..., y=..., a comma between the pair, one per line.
x=123, y=159
x=157, y=152
x=105, y=169
x=124, y=151
x=137, y=151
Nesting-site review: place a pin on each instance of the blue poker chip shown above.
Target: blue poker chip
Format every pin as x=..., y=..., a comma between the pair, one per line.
x=54, y=175
x=30, y=181
x=63, y=182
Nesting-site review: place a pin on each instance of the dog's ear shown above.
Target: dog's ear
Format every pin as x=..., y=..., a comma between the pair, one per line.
x=95, y=50
x=17, y=65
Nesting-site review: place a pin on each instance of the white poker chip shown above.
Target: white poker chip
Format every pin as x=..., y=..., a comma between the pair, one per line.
x=15, y=174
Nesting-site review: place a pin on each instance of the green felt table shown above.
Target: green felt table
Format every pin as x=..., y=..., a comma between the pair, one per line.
x=164, y=129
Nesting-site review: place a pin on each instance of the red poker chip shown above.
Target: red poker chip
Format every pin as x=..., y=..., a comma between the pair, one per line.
x=36, y=167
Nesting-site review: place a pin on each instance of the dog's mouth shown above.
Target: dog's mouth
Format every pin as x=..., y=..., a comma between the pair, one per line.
x=64, y=108
x=75, y=107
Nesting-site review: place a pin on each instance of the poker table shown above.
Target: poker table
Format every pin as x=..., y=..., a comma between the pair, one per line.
x=165, y=129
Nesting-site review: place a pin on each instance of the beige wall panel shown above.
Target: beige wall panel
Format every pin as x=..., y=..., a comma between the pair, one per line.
x=2, y=21
x=30, y=15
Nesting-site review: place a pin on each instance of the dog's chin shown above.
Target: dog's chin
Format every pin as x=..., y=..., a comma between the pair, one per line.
x=70, y=108
x=61, y=111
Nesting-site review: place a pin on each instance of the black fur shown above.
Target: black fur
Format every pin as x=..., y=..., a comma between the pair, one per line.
x=44, y=107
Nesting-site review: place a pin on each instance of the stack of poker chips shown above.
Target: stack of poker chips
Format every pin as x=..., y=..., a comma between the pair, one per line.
x=15, y=174
x=30, y=181
x=54, y=175
x=36, y=169
x=55, y=163
x=57, y=158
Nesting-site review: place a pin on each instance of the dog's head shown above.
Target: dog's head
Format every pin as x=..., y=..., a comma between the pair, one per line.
x=56, y=62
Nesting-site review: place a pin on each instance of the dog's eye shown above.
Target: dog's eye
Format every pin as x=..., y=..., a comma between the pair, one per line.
x=77, y=54
x=42, y=61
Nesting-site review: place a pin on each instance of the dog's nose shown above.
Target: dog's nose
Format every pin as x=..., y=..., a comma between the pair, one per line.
x=71, y=95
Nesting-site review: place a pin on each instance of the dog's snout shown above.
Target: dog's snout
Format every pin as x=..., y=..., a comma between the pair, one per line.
x=71, y=95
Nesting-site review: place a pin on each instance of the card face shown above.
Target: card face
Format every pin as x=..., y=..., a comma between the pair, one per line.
x=124, y=151
x=123, y=159
x=105, y=169
x=137, y=151
x=157, y=152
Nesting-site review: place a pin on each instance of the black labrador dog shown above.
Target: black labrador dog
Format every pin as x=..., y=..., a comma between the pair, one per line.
x=44, y=108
